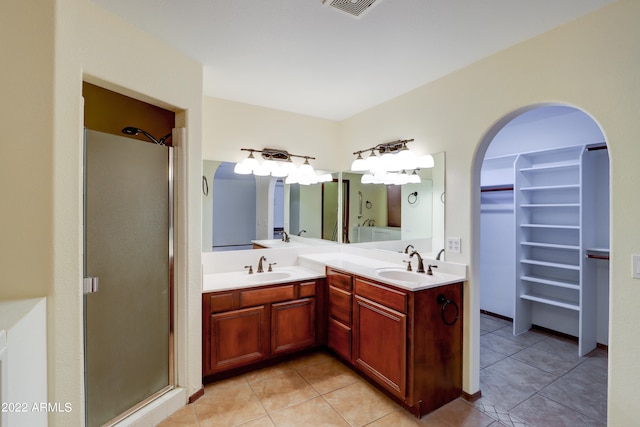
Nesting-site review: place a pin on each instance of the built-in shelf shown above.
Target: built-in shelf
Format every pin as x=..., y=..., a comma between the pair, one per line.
x=550, y=264
x=549, y=168
x=551, y=282
x=551, y=245
x=566, y=227
x=550, y=205
x=570, y=305
x=552, y=187
x=549, y=197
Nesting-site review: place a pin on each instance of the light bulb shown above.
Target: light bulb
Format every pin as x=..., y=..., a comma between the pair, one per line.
x=359, y=164
x=241, y=169
x=250, y=162
x=425, y=161
x=306, y=169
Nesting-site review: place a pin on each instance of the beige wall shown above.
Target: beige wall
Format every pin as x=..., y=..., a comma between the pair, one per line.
x=592, y=64
x=229, y=126
x=26, y=84
x=49, y=47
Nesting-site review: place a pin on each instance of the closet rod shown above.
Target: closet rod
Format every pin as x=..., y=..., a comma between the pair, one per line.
x=598, y=256
x=502, y=188
x=602, y=146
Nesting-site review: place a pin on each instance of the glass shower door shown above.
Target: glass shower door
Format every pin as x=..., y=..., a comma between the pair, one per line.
x=127, y=247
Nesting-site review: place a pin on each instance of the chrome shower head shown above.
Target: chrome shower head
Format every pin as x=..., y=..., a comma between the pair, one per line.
x=130, y=130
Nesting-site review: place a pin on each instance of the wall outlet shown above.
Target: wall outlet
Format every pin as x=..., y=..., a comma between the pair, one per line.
x=453, y=245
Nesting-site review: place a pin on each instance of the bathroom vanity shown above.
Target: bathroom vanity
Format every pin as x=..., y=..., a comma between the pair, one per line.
x=400, y=330
x=245, y=326
x=407, y=342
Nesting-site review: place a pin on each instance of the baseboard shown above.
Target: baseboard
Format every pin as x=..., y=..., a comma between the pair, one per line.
x=499, y=316
x=197, y=395
x=471, y=397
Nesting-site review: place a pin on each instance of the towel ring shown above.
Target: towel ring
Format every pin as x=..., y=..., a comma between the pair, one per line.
x=446, y=302
x=205, y=186
x=415, y=198
x=368, y=204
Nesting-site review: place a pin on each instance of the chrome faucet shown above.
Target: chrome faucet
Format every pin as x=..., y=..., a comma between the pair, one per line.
x=301, y=231
x=406, y=250
x=260, y=269
x=440, y=254
x=285, y=236
x=420, y=264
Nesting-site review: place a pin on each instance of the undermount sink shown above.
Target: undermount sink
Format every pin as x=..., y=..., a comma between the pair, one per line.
x=271, y=275
x=404, y=275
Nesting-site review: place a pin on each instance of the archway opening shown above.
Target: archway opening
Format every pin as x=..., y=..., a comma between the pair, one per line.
x=541, y=223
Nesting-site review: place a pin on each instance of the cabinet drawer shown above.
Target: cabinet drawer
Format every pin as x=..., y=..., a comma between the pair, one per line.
x=253, y=297
x=307, y=289
x=340, y=305
x=339, y=280
x=388, y=297
x=339, y=339
x=221, y=302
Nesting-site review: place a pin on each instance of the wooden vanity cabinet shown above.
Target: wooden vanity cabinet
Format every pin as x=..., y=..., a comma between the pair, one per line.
x=247, y=326
x=380, y=335
x=339, y=316
x=400, y=340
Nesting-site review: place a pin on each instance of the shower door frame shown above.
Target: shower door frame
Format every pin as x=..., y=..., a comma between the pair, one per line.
x=171, y=200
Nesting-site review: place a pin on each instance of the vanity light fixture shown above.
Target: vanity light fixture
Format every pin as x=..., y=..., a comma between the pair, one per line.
x=279, y=164
x=395, y=165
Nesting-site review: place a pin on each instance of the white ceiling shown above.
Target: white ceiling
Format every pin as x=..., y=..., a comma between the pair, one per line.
x=305, y=57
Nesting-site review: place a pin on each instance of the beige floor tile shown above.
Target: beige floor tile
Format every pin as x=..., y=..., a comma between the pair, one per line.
x=228, y=406
x=282, y=391
x=260, y=422
x=269, y=372
x=328, y=376
x=400, y=418
x=185, y=416
x=457, y=414
x=308, y=360
x=315, y=412
x=360, y=404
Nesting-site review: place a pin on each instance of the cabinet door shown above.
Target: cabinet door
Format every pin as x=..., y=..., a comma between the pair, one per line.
x=293, y=325
x=339, y=338
x=380, y=344
x=238, y=337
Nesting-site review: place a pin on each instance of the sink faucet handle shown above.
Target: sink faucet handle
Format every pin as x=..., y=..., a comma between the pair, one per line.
x=408, y=264
x=429, y=272
x=250, y=267
x=270, y=264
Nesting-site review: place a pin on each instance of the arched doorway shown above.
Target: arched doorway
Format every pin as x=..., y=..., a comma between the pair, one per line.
x=541, y=217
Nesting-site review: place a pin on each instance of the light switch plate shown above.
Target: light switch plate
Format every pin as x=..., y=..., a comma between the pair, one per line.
x=635, y=266
x=453, y=245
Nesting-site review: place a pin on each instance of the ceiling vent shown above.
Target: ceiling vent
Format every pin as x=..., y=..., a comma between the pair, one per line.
x=352, y=7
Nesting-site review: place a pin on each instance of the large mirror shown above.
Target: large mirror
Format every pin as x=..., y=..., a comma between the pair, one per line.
x=242, y=210
x=392, y=216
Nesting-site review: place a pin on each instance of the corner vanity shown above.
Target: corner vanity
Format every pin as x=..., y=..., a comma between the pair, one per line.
x=400, y=330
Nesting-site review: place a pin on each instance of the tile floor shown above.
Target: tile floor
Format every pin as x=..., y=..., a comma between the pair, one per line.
x=535, y=379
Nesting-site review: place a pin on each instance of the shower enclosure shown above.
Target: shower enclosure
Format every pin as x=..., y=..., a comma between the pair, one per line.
x=129, y=249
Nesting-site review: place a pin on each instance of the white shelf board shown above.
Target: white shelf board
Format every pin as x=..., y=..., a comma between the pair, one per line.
x=550, y=301
x=551, y=187
x=551, y=282
x=551, y=245
x=550, y=264
x=566, y=227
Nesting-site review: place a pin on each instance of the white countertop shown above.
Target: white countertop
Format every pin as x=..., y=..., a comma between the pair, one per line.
x=312, y=266
x=242, y=279
x=371, y=268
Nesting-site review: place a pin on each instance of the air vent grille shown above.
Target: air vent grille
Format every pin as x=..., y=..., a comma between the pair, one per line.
x=352, y=7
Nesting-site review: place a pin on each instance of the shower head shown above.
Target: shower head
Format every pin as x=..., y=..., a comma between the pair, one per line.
x=129, y=130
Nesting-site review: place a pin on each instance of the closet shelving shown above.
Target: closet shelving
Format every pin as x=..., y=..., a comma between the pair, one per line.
x=549, y=198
